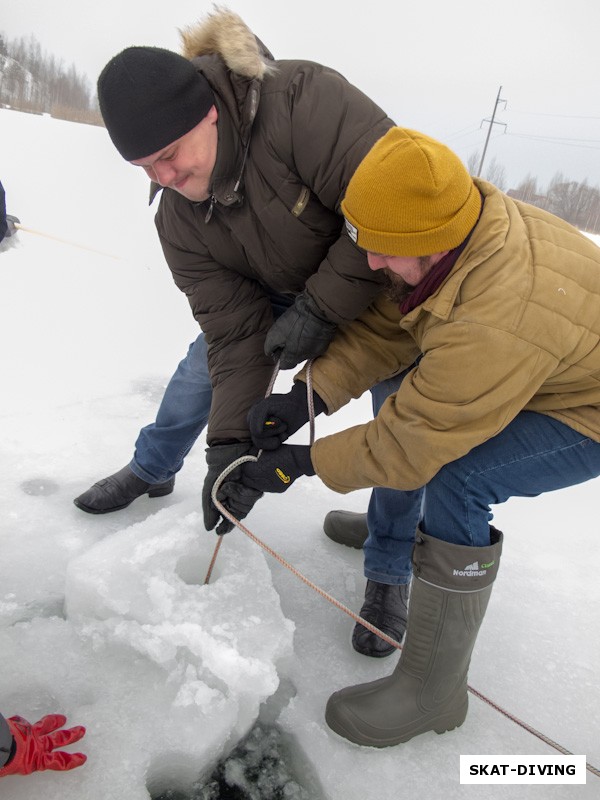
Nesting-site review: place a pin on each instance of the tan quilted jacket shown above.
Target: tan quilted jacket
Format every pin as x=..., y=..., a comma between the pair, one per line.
x=516, y=325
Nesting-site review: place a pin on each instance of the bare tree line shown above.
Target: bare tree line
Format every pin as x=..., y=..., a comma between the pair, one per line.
x=576, y=202
x=32, y=80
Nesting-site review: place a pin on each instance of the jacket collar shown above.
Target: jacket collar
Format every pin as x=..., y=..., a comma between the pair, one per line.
x=488, y=237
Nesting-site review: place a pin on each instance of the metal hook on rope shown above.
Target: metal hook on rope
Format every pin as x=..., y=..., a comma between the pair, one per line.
x=227, y=514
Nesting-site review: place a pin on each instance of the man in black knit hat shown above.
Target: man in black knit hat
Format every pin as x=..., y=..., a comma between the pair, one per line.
x=160, y=113
x=150, y=96
x=253, y=156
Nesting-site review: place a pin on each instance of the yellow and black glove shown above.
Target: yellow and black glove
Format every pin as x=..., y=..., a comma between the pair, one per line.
x=276, y=470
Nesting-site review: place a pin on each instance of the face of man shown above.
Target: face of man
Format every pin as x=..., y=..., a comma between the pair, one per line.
x=187, y=164
x=402, y=273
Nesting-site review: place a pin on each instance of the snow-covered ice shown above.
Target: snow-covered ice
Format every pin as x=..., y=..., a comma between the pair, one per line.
x=107, y=619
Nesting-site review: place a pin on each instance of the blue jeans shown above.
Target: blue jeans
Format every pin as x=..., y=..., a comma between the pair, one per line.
x=162, y=446
x=532, y=455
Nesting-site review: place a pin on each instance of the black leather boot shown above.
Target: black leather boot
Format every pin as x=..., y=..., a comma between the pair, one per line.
x=386, y=607
x=346, y=527
x=118, y=491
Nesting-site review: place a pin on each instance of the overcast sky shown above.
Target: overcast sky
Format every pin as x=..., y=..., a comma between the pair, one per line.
x=433, y=66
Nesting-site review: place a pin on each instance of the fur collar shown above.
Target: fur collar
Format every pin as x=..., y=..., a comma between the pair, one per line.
x=224, y=33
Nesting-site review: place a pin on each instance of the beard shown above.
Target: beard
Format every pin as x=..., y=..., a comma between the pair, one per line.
x=396, y=288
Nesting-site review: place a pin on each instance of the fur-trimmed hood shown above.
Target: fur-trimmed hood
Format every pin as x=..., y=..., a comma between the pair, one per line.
x=225, y=34
x=235, y=63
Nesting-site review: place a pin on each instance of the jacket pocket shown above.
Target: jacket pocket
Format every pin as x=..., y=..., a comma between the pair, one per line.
x=301, y=202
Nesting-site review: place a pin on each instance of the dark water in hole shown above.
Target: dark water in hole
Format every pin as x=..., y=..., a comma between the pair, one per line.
x=258, y=769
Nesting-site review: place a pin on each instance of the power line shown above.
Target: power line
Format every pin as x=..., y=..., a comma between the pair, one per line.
x=547, y=114
x=584, y=144
x=463, y=132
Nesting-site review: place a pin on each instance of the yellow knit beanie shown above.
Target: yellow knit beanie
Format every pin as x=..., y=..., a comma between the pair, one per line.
x=410, y=196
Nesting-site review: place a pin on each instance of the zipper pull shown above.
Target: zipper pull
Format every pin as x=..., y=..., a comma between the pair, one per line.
x=210, y=209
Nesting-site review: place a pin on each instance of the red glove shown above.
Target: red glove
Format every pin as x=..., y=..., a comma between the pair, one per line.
x=35, y=745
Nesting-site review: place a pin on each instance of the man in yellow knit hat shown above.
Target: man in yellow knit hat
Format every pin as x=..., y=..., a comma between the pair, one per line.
x=492, y=319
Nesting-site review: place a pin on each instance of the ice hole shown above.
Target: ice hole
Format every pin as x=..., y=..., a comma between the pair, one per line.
x=266, y=765
x=273, y=706
x=172, y=776
x=192, y=568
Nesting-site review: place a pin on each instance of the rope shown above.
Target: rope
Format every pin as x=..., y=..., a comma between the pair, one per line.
x=213, y=559
x=282, y=560
x=20, y=227
x=530, y=729
x=357, y=618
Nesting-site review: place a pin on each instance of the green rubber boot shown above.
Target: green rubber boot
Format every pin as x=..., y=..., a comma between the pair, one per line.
x=428, y=689
x=346, y=527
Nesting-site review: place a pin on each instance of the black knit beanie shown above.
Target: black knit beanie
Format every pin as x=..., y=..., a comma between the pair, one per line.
x=149, y=97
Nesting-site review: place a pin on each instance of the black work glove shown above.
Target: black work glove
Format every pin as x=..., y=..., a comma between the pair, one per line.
x=276, y=470
x=277, y=417
x=300, y=333
x=236, y=497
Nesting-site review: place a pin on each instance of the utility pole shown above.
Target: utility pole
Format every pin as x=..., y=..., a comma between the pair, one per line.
x=491, y=121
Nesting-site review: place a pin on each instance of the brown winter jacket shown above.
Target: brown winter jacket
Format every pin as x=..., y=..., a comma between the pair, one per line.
x=306, y=129
x=515, y=326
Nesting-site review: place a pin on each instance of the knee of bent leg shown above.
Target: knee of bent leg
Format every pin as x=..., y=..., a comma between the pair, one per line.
x=449, y=479
x=457, y=506
x=458, y=483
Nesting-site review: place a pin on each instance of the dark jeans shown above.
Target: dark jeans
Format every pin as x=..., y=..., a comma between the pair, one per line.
x=532, y=455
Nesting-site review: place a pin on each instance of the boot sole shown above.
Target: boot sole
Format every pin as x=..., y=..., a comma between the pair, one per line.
x=160, y=492
x=150, y=493
x=345, y=543
x=346, y=728
x=89, y=510
x=376, y=653
x=348, y=540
